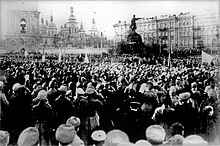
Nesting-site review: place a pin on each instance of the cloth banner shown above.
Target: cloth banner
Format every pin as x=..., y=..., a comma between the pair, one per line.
x=86, y=59
x=43, y=58
x=206, y=57
x=25, y=53
x=59, y=58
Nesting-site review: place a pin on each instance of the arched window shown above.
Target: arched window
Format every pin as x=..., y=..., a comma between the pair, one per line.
x=23, y=26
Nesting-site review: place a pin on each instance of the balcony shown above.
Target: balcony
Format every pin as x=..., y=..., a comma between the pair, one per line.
x=197, y=37
x=197, y=28
x=163, y=29
x=163, y=37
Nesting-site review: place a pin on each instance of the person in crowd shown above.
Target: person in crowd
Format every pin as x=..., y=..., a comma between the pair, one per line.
x=114, y=137
x=155, y=134
x=3, y=106
x=164, y=114
x=28, y=137
x=19, y=106
x=4, y=138
x=122, y=87
x=43, y=117
x=75, y=122
x=65, y=135
x=63, y=107
x=90, y=111
x=187, y=113
x=194, y=140
x=98, y=137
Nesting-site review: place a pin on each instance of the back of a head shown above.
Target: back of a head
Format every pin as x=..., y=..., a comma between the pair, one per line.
x=176, y=128
x=126, y=144
x=114, y=137
x=143, y=143
x=194, y=140
x=65, y=133
x=176, y=140
x=4, y=138
x=28, y=137
x=155, y=134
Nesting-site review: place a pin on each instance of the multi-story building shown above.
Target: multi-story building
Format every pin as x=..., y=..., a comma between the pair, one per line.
x=20, y=25
x=25, y=29
x=182, y=31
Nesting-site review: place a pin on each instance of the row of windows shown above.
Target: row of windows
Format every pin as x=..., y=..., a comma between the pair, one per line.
x=181, y=34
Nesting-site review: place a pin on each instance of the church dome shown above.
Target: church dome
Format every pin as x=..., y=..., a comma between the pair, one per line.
x=72, y=17
x=94, y=27
x=81, y=28
x=51, y=24
x=42, y=25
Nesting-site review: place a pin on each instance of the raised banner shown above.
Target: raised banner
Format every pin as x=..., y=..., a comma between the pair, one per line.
x=207, y=58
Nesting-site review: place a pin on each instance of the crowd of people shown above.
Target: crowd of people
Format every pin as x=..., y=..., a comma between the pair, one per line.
x=77, y=103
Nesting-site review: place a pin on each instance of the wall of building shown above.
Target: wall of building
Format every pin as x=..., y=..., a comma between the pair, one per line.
x=183, y=31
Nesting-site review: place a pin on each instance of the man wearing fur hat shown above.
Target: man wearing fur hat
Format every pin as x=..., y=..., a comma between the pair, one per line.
x=89, y=113
x=43, y=116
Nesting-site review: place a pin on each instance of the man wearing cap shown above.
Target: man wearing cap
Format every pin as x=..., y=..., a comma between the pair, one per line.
x=89, y=113
x=63, y=107
x=65, y=134
x=43, y=117
x=186, y=113
x=28, y=137
x=155, y=134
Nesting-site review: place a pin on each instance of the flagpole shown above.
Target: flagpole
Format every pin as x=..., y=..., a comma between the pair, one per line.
x=169, y=57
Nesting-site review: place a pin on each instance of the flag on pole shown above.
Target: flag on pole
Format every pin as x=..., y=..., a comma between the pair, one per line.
x=169, y=57
x=43, y=58
x=25, y=53
x=206, y=57
x=59, y=57
x=86, y=59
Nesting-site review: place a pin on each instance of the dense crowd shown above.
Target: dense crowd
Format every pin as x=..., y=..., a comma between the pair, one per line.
x=69, y=102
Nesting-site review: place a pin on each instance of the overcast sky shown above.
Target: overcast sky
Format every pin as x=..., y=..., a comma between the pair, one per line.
x=109, y=13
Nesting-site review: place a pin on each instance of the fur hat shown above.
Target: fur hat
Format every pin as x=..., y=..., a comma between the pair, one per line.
x=90, y=90
x=155, y=134
x=28, y=137
x=176, y=140
x=16, y=86
x=63, y=88
x=184, y=96
x=194, y=140
x=42, y=94
x=65, y=133
x=80, y=91
x=4, y=138
x=74, y=121
x=115, y=137
x=98, y=135
x=143, y=143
